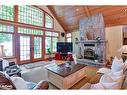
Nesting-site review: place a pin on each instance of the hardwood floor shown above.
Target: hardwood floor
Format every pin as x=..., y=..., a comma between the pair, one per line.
x=90, y=72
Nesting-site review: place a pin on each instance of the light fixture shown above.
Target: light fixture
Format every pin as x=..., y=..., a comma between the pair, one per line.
x=1, y=51
x=125, y=11
x=77, y=9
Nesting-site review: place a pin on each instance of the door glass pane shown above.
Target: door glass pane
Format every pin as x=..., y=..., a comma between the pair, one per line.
x=7, y=41
x=48, y=44
x=24, y=48
x=37, y=47
x=55, y=44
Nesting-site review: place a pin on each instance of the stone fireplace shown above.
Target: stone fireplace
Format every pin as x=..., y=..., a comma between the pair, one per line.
x=92, y=44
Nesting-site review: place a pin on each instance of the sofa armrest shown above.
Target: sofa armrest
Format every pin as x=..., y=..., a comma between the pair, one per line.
x=86, y=86
x=42, y=85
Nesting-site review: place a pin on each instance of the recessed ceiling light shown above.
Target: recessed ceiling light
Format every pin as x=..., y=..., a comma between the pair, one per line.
x=125, y=11
x=77, y=9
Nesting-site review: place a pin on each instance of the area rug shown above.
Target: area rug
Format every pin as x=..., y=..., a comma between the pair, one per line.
x=36, y=64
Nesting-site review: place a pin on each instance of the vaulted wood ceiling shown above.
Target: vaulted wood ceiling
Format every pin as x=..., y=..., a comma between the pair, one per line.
x=69, y=16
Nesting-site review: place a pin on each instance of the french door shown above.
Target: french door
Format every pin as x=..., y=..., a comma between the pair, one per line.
x=30, y=48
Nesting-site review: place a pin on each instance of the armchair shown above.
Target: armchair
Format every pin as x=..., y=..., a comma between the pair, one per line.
x=106, y=78
x=7, y=84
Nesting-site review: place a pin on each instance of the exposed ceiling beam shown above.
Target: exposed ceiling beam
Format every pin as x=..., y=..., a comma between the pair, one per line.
x=87, y=12
x=52, y=11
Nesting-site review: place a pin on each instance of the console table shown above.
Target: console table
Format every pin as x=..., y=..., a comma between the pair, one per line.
x=63, y=77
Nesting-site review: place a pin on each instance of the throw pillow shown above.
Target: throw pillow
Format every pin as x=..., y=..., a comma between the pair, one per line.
x=19, y=82
x=117, y=65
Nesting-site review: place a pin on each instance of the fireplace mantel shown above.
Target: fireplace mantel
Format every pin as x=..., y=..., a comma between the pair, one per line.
x=92, y=41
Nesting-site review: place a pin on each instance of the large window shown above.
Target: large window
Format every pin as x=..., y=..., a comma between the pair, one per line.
x=69, y=38
x=6, y=39
x=30, y=31
x=51, y=41
x=7, y=12
x=26, y=24
x=48, y=21
x=30, y=15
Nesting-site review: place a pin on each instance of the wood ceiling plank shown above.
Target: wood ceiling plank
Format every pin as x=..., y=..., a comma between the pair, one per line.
x=122, y=21
x=113, y=15
x=93, y=7
x=117, y=16
x=107, y=10
x=87, y=12
x=52, y=11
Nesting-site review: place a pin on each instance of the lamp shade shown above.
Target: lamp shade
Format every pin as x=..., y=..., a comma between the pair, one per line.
x=1, y=51
x=123, y=49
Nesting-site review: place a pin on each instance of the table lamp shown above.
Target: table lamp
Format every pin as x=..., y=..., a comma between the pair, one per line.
x=123, y=49
x=1, y=52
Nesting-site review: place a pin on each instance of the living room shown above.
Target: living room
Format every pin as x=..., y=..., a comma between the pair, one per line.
x=63, y=47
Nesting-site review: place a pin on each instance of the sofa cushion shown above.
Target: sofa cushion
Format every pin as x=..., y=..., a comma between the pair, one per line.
x=111, y=80
x=19, y=82
x=111, y=85
x=106, y=79
x=97, y=86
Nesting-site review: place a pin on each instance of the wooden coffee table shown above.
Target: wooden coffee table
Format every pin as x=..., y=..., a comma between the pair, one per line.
x=63, y=77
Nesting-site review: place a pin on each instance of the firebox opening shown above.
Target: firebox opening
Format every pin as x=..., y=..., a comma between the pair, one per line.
x=89, y=54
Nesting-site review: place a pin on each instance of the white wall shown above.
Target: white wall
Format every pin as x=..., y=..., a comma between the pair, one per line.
x=57, y=26
x=114, y=37
x=75, y=34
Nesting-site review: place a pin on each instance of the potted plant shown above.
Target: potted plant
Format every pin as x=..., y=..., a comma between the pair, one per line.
x=49, y=54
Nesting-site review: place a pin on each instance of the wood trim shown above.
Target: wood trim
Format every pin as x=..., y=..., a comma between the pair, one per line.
x=15, y=39
x=43, y=48
x=87, y=12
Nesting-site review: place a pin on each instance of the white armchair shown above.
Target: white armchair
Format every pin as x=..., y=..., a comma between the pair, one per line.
x=111, y=78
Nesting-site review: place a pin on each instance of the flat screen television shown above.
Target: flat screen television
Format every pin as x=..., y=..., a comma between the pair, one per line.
x=64, y=47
